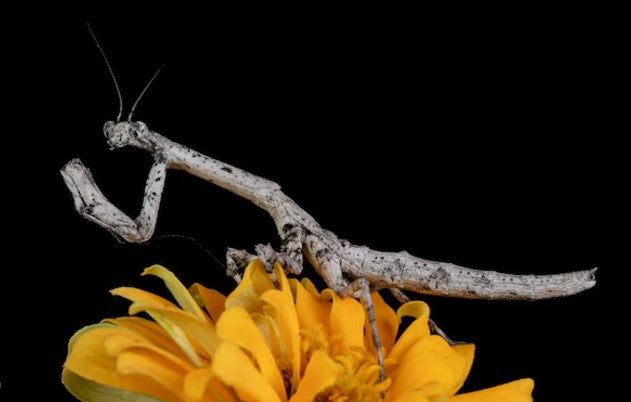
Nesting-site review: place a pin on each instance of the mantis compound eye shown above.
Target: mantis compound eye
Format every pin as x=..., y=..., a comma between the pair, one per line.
x=108, y=127
x=109, y=131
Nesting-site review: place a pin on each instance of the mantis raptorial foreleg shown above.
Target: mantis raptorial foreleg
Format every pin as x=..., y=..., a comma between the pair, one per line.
x=94, y=206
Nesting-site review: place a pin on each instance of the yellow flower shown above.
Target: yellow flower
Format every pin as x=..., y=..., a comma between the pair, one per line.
x=269, y=340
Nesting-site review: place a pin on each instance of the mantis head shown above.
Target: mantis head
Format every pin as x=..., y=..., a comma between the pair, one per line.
x=122, y=133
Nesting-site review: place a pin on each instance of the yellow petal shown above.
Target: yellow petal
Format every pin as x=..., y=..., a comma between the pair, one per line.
x=270, y=332
x=149, y=330
x=174, y=321
x=213, y=301
x=179, y=337
x=387, y=325
x=415, y=331
x=321, y=373
x=86, y=390
x=255, y=282
x=148, y=364
x=430, y=360
x=195, y=382
x=233, y=367
x=311, y=309
x=139, y=295
x=411, y=396
x=116, y=344
x=467, y=351
x=201, y=381
x=293, y=284
x=309, y=286
x=516, y=391
x=179, y=291
x=329, y=295
x=347, y=324
x=280, y=306
x=88, y=359
x=431, y=392
x=201, y=333
x=89, y=344
x=236, y=326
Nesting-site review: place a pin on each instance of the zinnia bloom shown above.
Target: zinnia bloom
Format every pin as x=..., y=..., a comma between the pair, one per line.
x=270, y=341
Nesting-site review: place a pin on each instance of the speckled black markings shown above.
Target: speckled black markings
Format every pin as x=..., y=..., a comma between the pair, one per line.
x=321, y=253
x=441, y=277
x=291, y=239
x=483, y=280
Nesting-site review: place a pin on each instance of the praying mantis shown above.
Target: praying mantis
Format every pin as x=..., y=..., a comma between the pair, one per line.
x=348, y=269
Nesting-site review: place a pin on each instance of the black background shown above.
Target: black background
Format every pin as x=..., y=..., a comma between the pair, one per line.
x=488, y=142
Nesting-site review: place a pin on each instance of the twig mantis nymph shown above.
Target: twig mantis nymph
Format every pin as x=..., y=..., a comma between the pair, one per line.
x=346, y=268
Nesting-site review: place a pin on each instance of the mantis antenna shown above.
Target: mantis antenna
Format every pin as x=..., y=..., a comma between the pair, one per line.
x=109, y=67
x=131, y=112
